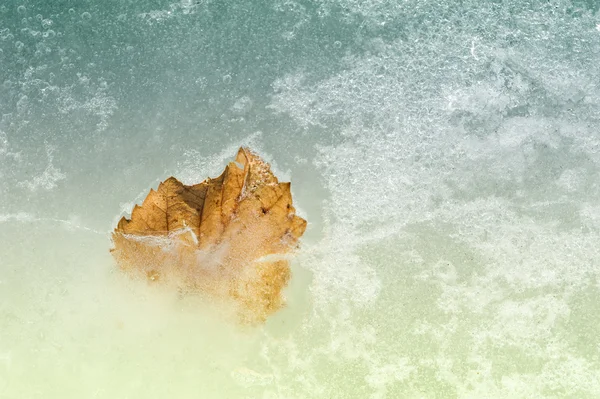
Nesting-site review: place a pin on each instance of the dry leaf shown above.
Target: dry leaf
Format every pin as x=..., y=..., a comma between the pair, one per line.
x=225, y=236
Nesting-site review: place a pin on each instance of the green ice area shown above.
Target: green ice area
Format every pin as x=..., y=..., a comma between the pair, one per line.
x=446, y=155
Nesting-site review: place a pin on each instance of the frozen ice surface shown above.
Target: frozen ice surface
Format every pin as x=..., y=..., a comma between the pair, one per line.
x=446, y=155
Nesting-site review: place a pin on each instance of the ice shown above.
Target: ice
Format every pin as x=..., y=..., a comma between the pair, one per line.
x=444, y=153
x=48, y=179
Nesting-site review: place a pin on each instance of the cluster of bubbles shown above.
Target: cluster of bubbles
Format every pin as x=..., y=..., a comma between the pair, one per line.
x=444, y=153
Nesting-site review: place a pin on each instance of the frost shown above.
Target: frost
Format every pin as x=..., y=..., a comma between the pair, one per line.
x=99, y=104
x=445, y=152
x=48, y=179
x=242, y=106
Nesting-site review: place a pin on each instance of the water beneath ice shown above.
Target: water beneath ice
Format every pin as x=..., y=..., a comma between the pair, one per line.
x=445, y=153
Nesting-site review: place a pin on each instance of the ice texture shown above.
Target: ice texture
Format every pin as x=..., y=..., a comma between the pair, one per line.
x=445, y=154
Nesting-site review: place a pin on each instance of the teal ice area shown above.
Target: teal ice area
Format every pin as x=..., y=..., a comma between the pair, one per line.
x=446, y=155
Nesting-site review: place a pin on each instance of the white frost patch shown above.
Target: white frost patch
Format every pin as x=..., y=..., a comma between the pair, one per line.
x=572, y=180
x=196, y=166
x=48, y=179
x=97, y=103
x=6, y=154
x=293, y=98
x=381, y=375
x=242, y=106
x=590, y=215
x=17, y=217
x=72, y=224
x=4, y=146
x=516, y=131
x=184, y=7
x=524, y=322
x=248, y=377
x=479, y=98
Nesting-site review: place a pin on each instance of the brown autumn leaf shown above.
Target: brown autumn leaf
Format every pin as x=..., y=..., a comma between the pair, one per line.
x=225, y=237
